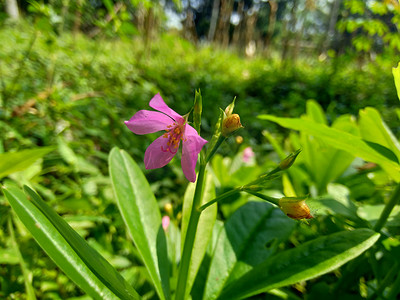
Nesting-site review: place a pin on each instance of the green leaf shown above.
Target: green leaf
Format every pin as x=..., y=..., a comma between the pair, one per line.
x=99, y=266
x=56, y=247
x=396, y=75
x=17, y=161
x=141, y=214
x=305, y=262
x=386, y=152
x=8, y=257
x=326, y=163
x=340, y=140
x=204, y=227
x=249, y=237
x=315, y=112
x=374, y=129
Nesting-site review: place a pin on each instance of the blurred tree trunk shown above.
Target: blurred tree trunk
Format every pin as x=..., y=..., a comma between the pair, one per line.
x=297, y=43
x=190, y=32
x=251, y=20
x=238, y=29
x=289, y=27
x=12, y=9
x=148, y=27
x=77, y=17
x=271, y=24
x=332, y=25
x=222, y=32
x=213, y=21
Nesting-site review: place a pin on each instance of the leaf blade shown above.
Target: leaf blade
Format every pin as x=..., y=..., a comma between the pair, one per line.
x=305, y=262
x=12, y=162
x=99, y=266
x=242, y=243
x=141, y=214
x=340, y=140
x=55, y=245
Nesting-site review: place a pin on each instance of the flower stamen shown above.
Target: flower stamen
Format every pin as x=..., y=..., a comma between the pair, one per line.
x=174, y=134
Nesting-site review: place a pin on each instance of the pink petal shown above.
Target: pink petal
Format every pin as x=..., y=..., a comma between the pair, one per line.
x=191, y=148
x=155, y=157
x=165, y=222
x=158, y=103
x=145, y=121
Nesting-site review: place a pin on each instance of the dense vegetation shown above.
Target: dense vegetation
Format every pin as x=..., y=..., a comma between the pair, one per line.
x=72, y=93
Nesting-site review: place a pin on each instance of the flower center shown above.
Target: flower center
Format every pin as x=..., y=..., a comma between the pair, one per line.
x=174, y=134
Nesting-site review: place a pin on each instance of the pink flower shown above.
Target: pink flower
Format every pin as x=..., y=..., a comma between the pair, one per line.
x=247, y=154
x=165, y=222
x=164, y=148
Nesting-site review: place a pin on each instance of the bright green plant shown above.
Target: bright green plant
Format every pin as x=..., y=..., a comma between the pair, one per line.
x=217, y=260
x=372, y=140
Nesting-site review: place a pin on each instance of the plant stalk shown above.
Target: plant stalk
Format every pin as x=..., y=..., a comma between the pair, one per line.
x=190, y=236
x=221, y=197
x=394, y=199
x=220, y=140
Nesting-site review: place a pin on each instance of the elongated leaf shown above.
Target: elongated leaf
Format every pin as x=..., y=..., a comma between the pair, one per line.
x=17, y=161
x=204, y=227
x=307, y=261
x=56, y=247
x=99, y=266
x=374, y=129
x=141, y=214
x=248, y=238
x=340, y=140
x=315, y=112
x=396, y=75
x=324, y=162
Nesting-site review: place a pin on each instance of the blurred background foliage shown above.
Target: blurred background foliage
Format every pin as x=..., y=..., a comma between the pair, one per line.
x=72, y=71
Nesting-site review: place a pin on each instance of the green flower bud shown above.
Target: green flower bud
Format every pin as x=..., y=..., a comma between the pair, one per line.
x=288, y=161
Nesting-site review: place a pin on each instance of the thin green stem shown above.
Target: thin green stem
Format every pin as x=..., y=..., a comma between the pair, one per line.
x=220, y=140
x=385, y=282
x=264, y=197
x=394, y=291
x=190, y=236
x=394, y=199
x=221, y=197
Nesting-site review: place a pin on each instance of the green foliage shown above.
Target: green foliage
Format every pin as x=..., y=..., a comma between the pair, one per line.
x=251, y=235
x=70, y=95
x=302, y=263
x=57, y=247
x=370, y=21
x=141, y=215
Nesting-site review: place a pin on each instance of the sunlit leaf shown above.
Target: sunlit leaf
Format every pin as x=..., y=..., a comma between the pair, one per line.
x=11, y=162
x=304, y=262
x=249, y=237
x=141, y=214
x=56, y=247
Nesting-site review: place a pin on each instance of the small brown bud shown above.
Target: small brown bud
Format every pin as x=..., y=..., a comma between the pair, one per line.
x=295, y=208
x=230, y=124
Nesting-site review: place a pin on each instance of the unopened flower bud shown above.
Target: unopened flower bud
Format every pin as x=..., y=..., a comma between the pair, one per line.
x=168, y=208
x=229, y=108
x=295, y=208
x=288, y=161
x=230, y=124
x=165, y=222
